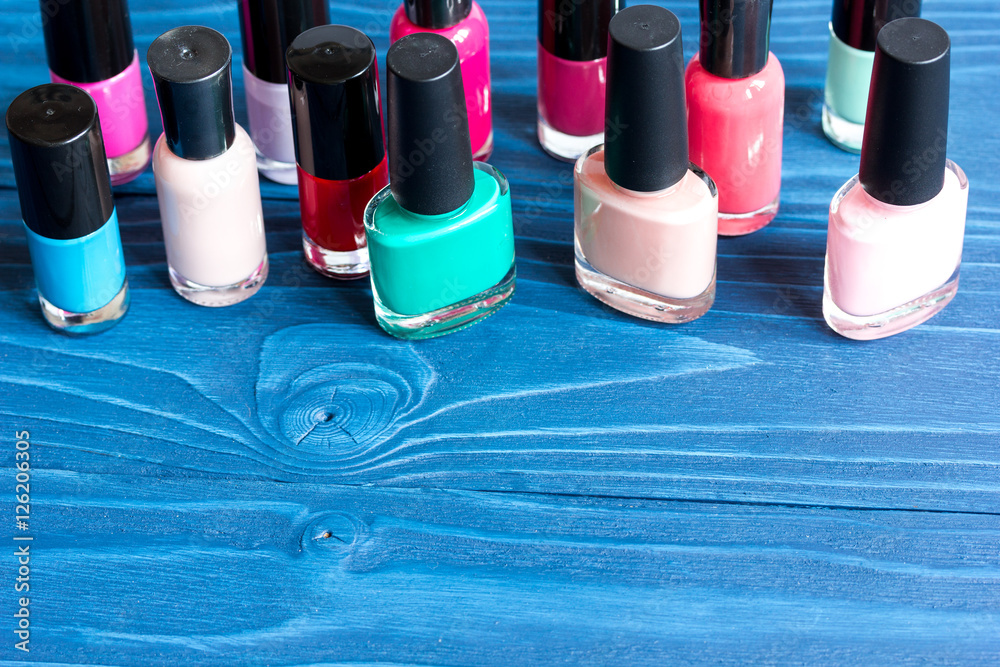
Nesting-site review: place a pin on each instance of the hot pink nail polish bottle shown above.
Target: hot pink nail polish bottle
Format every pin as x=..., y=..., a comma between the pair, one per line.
x=464, y=23
x=894, y=244
x=736, y=103
x=646, y=219
x=572, y=74
x=89, y=45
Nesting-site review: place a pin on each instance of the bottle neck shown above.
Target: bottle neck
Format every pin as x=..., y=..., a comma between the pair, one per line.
x=669, y=190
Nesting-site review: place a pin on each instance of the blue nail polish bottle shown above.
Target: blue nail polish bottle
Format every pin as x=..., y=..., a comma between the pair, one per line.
x=69, y=215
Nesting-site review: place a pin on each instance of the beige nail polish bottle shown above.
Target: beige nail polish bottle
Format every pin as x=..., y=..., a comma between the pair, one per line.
x=205, y=170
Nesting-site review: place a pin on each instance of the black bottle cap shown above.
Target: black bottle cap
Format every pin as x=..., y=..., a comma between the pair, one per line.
x=735, y=36
x=267, y=27
x=437, y=14
x=191, y=72
x=87, y=41
x=61, y=171
x=857, y=22
x=645, y=145
x=903, y=152
x=430, y=156
x=576, y=29
x=333, y=81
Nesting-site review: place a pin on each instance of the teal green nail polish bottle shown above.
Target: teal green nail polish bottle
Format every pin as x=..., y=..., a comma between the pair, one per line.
x=441, y=234
x=854, y=25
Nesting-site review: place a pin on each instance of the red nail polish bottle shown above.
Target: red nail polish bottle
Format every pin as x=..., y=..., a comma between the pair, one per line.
x=339, y=147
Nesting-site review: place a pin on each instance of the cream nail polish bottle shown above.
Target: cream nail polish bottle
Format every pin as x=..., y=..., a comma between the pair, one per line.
x=894, y=244
x=646, y=218
x=205, y=169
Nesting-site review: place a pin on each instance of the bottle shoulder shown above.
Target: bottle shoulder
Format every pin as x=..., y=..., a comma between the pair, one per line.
x=240, y=158
x=704, y=87
x=489, y=195
x=695, y=193
x=469, y=35
x=859, y=215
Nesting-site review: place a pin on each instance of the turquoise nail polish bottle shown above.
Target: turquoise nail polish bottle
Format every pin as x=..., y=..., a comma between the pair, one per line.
x=69, y=215
x=440, y=236
x=854, y=25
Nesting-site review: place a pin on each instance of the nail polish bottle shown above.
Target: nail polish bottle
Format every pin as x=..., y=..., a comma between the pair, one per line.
x=205, y=169
x=736, y=106
x=853, y=27
x=69, y=216
x=572, y=71
x=267, y=27
x=89, y=45
x=441, y=235
x=333, y=81
x=464, y=23
x=894, y=244
x=646, y=218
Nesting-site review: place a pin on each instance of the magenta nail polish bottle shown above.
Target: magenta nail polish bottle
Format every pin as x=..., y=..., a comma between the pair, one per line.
x=894, y=244
x=464, y=23
x=572, y=74
x=89, y=45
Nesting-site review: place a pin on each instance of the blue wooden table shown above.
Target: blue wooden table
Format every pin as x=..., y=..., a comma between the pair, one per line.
x=279, y=482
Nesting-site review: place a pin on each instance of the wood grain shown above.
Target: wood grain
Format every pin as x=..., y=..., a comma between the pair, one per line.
x=307, y=573
x=279, y=482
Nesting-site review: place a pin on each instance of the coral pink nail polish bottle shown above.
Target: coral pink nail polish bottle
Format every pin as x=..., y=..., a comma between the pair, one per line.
x=339, y=148
x=572, y=74
x=894, y=244
x=646, y=219
x=464, y=23
x=89, y=45
x=736, y=103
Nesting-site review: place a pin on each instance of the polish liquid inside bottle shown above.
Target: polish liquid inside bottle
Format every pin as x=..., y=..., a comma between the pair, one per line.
x=894, y=244
x=441, y=235
x=572, y=74
x=736, y=102
x=267, y=27
x=89, y=45
x=339, y=146
x=854, y=25
x=464, y=23
x=646, y=219
x=69, y=215
x=205, y=170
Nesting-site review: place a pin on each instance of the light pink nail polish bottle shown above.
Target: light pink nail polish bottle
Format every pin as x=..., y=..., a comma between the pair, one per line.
x=646, y=218
x=205, y=169
x=894, y=244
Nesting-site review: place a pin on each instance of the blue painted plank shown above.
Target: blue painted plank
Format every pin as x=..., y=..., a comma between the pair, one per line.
x=281, y=574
